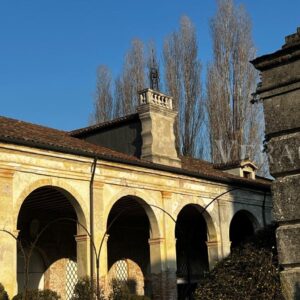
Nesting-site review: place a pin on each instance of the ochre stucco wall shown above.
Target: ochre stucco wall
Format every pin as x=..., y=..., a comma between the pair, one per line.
x=24, y=169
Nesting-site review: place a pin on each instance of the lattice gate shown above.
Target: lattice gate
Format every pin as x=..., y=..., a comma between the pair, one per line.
x=121, y=271
x=71, y=278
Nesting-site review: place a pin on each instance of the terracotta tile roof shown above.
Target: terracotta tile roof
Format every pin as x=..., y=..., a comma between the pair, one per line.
x=27, y=134
x=205, y=167
x=111, y=123
x=24, y=133
x=232, y=164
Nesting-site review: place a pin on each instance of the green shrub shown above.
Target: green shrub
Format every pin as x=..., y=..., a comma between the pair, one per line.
x=136, y=297
x=121, y=291
x=84, y=291
x=38, y=295
x=250, y=272
x=3, y=294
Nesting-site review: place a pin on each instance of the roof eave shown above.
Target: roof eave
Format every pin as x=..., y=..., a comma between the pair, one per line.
x=236, y=182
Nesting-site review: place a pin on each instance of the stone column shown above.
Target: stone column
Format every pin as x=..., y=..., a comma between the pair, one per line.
x=280, y=92
x=103, y=257
x=100, y=220
x=169, y=255
x=157, y=270
x=83, y=266
x=224, y=221
x=212, y=250
x=8, y=245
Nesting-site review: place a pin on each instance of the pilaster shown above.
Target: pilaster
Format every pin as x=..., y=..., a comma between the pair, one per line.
x=99, y=221
x=8, y=245
x=83, y=256
x=170, y=274
x=224, y=221
x=212, y=250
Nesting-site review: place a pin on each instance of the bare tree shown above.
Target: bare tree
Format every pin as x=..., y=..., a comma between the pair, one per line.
x=131, y=80
x=103, y=105
x=235, y=124
x=183, y=82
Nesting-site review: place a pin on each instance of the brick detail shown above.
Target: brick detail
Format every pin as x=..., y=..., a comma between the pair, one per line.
x=55, y=277
x=128, y=270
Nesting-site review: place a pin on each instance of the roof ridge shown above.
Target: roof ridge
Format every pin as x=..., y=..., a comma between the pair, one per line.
x=33, y=124
x=112, y=122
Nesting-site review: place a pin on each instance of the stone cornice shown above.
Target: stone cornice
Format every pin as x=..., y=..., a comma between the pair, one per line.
x=281, y=57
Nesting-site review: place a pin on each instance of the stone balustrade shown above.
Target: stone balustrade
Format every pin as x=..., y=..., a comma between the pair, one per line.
x=149, y=96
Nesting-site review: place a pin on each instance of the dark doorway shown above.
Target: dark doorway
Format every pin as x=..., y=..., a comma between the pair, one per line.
x=191, y=249
x=128, y=245
x=57, y=244
x=241, y=228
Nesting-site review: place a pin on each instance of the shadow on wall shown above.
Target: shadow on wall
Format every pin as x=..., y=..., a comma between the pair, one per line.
x=247, y=218
x=129, y=272
x=241, y=228
x=297, y=291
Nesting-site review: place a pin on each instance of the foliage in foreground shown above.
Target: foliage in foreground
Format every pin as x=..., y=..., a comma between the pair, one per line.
x=84, y=290
x=119, y=291
x=250, y=272
x=3, y=294
x=38, y=295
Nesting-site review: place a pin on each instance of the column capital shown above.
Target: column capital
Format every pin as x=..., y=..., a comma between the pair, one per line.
x=98, y=185
x=6, y=173
x=211, y=244
x=155, y=241
x=166, y=194
x=106, y=237
x=16, y=232
x=223, y=202
x=81, y=237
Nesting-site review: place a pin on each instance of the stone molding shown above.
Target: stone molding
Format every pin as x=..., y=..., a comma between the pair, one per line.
x=155, y=241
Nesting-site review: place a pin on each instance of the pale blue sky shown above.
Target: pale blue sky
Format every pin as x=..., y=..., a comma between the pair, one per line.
x=50, y=49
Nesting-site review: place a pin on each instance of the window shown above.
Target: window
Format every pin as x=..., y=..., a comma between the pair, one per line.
x=247, y=174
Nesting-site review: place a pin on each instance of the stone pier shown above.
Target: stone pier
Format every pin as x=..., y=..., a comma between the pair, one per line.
x=280, y=92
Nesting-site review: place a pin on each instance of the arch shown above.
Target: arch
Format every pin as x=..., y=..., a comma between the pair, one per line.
x=250, y=216
x=42, y=215
x=140, y=197
x=71, y=194
x=211, y=227
x=196, y=247
x=242, y=225
x=133, y=233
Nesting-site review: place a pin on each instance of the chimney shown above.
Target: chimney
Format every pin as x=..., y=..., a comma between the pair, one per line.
x=158, y=118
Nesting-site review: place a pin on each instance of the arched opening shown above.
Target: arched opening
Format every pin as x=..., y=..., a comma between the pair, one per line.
x=191, y=249
x=56, y=247
x=242, y=226
x=129, y=229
